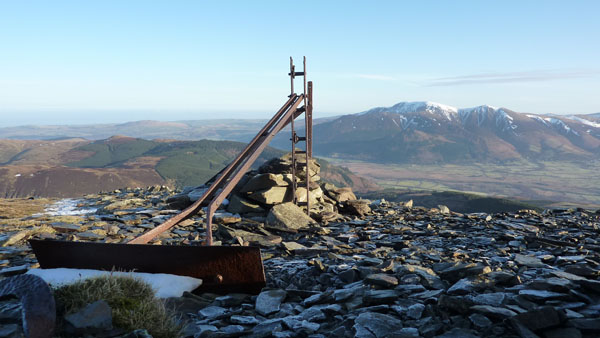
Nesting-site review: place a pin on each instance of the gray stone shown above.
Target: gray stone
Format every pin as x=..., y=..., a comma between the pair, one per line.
x=91, y=319
x=239, y=205
x=288, y=217
x=529, y=261
x=38, y=307
x=458, y=332
x=493, y=299
x=541, y=295
x=243, y=320
x=356, y=207
x=382, y=279
x=274, y=195
x=269, y=301
x=10, y=331
x=494, y=311
x=415, y=311
x=480, y=321
x=265, y=181
x=372, y=324
x=586, y=324
x=213, y=312
x=540, y=318
x=567, y=332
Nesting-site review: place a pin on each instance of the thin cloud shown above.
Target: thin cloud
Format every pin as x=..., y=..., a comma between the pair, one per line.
x=376, y=77
x=511, y=77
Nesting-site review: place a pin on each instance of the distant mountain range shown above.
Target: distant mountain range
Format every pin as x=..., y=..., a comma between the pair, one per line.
x=407, y=132
x=428, y=132
x=225, y=129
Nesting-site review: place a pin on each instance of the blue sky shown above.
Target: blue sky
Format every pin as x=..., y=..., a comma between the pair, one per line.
x=114, y=61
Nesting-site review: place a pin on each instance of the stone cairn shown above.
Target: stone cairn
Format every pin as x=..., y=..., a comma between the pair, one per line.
x=265, y=195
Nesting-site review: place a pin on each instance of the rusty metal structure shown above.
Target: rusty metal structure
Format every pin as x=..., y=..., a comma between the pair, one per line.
x=222, y=268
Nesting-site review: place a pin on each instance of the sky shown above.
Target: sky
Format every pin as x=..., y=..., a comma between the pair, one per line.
x=75, y=62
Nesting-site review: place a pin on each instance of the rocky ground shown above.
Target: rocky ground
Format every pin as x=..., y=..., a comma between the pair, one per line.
x=379, y=270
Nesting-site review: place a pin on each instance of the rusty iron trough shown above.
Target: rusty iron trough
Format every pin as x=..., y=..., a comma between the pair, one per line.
x=223, y=269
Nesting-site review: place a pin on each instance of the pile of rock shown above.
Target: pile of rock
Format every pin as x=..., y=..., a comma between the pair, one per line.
x=260, y=191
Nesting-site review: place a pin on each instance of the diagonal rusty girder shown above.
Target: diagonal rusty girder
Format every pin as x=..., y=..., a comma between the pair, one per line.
x=243, y=161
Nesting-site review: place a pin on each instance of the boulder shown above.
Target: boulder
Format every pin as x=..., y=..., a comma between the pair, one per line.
x=91, y=319
x=240, y=205
x=288, y=217
x=274, y=195
x=356, y=207
x=338, y=194
x=266, y=181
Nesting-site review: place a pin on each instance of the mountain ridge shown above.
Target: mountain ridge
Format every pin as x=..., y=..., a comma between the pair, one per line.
x=429, y=132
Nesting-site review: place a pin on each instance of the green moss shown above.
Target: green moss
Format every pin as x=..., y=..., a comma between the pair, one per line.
x=132, y=301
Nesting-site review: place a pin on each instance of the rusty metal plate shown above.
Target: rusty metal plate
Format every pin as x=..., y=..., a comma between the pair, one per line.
x=223, y=269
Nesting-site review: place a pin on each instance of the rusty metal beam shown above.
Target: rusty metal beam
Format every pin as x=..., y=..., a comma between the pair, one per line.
x=223, y=269
x=260, y=146
x=195, y=207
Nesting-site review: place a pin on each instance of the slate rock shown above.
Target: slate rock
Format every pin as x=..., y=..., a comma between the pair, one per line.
x=239, y=205
x=269, y=301
x=356, y=207
x=265, y=181
x=480, y=321
x=93, y=318
x=37, y=308
x=381, y=279
x=373, y=324
x=288, y=217
x=271, y=196
x=540, y=318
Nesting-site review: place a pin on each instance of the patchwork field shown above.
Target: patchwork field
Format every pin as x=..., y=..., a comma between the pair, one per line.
x=546, y=183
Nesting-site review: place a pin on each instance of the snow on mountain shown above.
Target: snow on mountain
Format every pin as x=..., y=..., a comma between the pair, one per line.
x=409, y=116
x=586, y=122
x=415, y=107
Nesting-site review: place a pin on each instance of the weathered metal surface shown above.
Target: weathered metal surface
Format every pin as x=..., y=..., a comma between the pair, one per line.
x=223, y=269
x=218, y=182
x=250, y=158
x=39, y=309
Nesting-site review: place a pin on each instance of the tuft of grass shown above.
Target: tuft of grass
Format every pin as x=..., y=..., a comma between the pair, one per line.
x=21, y=207
x=133, y=303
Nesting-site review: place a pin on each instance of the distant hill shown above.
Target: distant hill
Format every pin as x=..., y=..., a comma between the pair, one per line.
x=73, y=167
x=225, y=129
x=426, y=132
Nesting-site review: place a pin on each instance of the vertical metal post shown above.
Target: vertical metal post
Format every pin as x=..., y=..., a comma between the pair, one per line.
x=306, y=156
x=309, y=117
x=293, y=139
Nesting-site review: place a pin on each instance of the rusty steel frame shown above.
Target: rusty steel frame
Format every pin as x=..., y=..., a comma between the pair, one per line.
x=222, y=268
x=221, y=180
x=232, y=174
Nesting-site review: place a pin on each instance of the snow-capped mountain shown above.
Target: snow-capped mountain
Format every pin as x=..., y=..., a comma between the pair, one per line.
x=434, y=132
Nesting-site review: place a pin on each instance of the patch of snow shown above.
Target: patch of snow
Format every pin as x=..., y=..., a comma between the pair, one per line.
x=561, y=125
x=537, y=118
x=586, y=122
x=67, y=207
x=165, y=285
x=414, y=107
